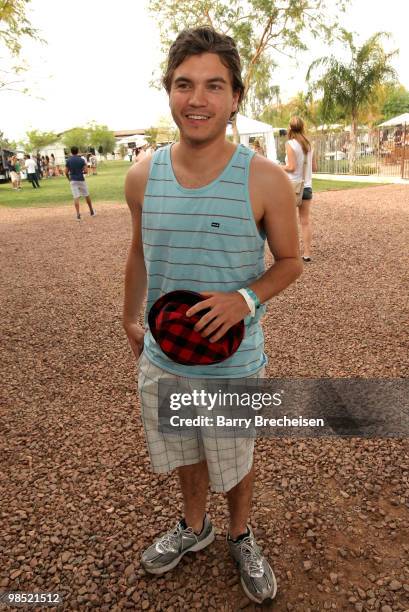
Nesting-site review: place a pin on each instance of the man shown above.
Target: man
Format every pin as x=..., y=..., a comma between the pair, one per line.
x=75, y=168
x=208, y=206
x=31, y=167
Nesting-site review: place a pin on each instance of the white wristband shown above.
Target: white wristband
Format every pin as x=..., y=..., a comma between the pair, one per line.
x=249, y=301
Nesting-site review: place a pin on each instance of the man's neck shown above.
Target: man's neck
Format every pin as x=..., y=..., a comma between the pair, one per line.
x=199, y=159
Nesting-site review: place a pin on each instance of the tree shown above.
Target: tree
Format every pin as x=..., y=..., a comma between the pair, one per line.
x=14, y=24
x=151, y=135
x=10, y=79
x=262, y=29
x=5, y=143
x=301, y=104
x=101, y=138
x=77, y=137
x=122, y=150
x=37, y=140
x=353, y=85
x=14, y=27
x=396, y=101
x=167, y=131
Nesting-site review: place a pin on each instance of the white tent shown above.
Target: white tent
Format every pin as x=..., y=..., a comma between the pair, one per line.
x=251, y=127
x=57, y=149
x=136, y=138
x=399, y=120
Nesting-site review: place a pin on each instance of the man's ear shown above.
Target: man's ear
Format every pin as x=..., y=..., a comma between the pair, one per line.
x=235, y=106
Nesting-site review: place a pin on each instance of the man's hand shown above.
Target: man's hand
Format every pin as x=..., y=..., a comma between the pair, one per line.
x=226, y=309
x=135, y=333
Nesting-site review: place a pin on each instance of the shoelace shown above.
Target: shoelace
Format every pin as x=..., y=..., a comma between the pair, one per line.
x=170, y=541
x=252, y=558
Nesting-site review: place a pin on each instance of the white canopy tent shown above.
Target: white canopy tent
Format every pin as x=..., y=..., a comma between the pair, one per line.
x=398, y=120
x=251, y=127
x=136, y=138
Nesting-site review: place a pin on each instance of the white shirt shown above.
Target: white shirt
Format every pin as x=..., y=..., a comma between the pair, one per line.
x=31, y=166
x=299, y=158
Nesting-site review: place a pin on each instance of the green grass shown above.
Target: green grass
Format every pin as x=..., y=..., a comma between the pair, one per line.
x=324, y=185
x=108, y=185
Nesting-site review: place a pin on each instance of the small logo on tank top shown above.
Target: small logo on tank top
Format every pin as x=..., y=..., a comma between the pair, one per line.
x=215, y=224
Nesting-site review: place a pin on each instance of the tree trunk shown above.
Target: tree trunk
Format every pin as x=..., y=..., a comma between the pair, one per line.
x=236, y=135
x=353, y=145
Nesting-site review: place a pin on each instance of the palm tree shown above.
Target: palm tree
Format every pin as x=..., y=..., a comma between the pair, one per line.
x=353, y=86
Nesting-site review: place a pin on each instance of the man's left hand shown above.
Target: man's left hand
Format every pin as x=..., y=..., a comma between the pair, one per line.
x=226, y=309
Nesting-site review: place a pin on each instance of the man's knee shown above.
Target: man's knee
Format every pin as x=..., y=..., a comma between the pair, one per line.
x=193, y=468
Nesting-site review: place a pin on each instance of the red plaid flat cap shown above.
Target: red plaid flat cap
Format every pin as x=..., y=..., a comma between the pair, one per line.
x=174, y=332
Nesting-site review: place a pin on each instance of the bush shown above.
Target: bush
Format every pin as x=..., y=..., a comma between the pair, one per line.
x=341, y=166
x=364, y=169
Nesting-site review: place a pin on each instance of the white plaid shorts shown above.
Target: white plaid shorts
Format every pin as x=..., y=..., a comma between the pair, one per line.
x=228, y=459
x=79, y=188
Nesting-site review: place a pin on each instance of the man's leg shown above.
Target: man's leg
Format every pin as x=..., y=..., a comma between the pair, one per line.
x=88, y=201
x=194, y=482
x=256, y=576
x=77, y=207
x=239, y=499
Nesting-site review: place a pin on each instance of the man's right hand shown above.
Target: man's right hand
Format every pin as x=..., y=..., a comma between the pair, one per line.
x=135, y=333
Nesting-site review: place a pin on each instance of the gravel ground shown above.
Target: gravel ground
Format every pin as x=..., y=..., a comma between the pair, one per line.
x=78, y=500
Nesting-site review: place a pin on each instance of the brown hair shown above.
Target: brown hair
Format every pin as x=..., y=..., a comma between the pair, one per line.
x=205, y=40
x=297, y=131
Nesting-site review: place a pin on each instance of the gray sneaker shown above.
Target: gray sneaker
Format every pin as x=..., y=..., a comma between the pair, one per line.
x=256, y=576
x=166, y=552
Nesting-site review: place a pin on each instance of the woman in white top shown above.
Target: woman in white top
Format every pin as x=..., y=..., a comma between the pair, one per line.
x=296, y=148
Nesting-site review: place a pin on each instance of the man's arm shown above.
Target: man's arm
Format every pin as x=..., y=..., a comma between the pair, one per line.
x=280, y=225
x=135, y=271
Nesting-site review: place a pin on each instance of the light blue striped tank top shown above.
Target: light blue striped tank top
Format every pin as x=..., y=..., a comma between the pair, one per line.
x=202, y=240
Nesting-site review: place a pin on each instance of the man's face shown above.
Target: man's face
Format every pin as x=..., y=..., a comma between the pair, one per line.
x=201, y=98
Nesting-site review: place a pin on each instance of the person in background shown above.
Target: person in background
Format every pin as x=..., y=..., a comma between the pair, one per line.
x=296, y=148
x=39, y=167
x=139, y=155
x=258, y=148
x=15, y=173
x=46, y=166
x=93, y=161
x=76, y=167
x=31, y=167
x=52, y=165
x=148, y=150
